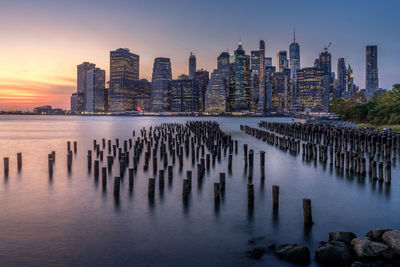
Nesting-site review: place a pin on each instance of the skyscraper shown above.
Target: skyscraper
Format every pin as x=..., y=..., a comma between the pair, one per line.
x=81, y=76
x=312, y=95
x=281, y=60
x=161, y=84
x=240, y=81
x=78, y=99
x=371, y=69
x=294, y=55
x=185, y=95
x=95, y=86
x=257, y=66
x=124, y=71
x=215, y=96
x=268, y=61
x=281, y=91
x=202, y=77
x=341, y=76
x=192, y=65
x=349, y=79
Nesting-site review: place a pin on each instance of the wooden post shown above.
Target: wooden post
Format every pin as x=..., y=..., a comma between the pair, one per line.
x=130, y=179
x=75, y=147
x=6, y=166
x=117, y=181
x=170, y=173
x=275, y=197
x=104, y=177
x=19, y=160
x=185, y=189
x=151, y=187
x=388, y=172
x=161, y=179
x=250, y=195
x=217, y=192
x=307, y=214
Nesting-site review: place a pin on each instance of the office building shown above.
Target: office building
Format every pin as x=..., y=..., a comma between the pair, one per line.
x=294, y=56
x=185, y=95
x=215, y=96
x=124, y=71
x=312, y=95
x=192, y=65
x=161, y=85
x=282, y=61
x=95, y=86
x=371, y=69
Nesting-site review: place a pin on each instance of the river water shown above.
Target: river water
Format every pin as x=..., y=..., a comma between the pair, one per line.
x=68, y=220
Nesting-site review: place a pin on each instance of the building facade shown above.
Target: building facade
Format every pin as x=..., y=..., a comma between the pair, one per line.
x=282, y=61
x=215, y=97
x=95, y=87
x=239, y=96
x=312, y=95
x=161, y=85
x=124, y=72
x=185, y=95
x=371, y=69
x=192, y=65
x=294, y=57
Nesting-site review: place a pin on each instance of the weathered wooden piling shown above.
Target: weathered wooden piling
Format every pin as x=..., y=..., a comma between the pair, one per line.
x=6, y=166
x=161, y=179
x=151, y=188
x=185, y=189
x=69, y=160
x=250, y=194
x=50, y=164
x=275, y=197
x=130, y=171
x=380, y=166
x=217, y=192
x=170, y=173
x=388, y=172
x=19, y=160
x=230, y=162
x=307, y=214
x=117, y=182
x=104, y=177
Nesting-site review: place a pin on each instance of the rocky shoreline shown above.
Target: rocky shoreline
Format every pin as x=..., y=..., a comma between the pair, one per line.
x=379, y=248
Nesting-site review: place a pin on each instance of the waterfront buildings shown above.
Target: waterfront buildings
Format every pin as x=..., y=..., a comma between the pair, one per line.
x=124, y=71
x=202, y=77
x=371, y=69
x=161, y=85
x=257, y=67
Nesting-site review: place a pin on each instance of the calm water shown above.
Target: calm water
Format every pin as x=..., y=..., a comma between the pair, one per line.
x=68, y=220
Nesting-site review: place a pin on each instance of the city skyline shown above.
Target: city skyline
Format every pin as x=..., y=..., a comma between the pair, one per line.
x=46, y=54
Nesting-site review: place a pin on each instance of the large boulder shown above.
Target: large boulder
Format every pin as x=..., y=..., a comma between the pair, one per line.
x=293, y=253
x=392, y=238
x=366, y=249
x=345, y=237
x=333, y=253
x=376, y=235
x=256, y=253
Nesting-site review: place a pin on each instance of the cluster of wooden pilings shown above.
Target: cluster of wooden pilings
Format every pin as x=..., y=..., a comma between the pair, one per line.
x=160, y=148
x=346, y=149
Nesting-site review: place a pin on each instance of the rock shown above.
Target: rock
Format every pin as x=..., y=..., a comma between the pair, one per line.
x=392, y=238
x=333, y=253
x=271, y=247
x=345, y=237
x=376, y=235
x=293, y=253
x=256, y=240
x=367, y=249
x=367, y=264
x=256, y=253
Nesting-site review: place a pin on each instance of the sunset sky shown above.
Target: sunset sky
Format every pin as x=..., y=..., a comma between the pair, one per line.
x=43, y=41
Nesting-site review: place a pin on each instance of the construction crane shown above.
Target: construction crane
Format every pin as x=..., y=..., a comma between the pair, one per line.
x=327, y=46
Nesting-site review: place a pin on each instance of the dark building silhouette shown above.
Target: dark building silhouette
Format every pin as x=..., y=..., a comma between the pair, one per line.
x=161, y=85
x=371, y=69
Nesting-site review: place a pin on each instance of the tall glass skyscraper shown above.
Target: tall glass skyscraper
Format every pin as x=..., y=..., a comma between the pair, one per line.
x=257, y=67
x=124, y=71
x=185, y=95
x=371, y=69
x=240, y=83
x=341, y=75
x=282, y=61
x=215, y=97
x=161, y=85
x=294, y=57
x=192, y=65
x=95, y=86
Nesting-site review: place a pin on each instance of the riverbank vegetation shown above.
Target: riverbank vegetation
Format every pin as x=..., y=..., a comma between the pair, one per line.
x=382, y=109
